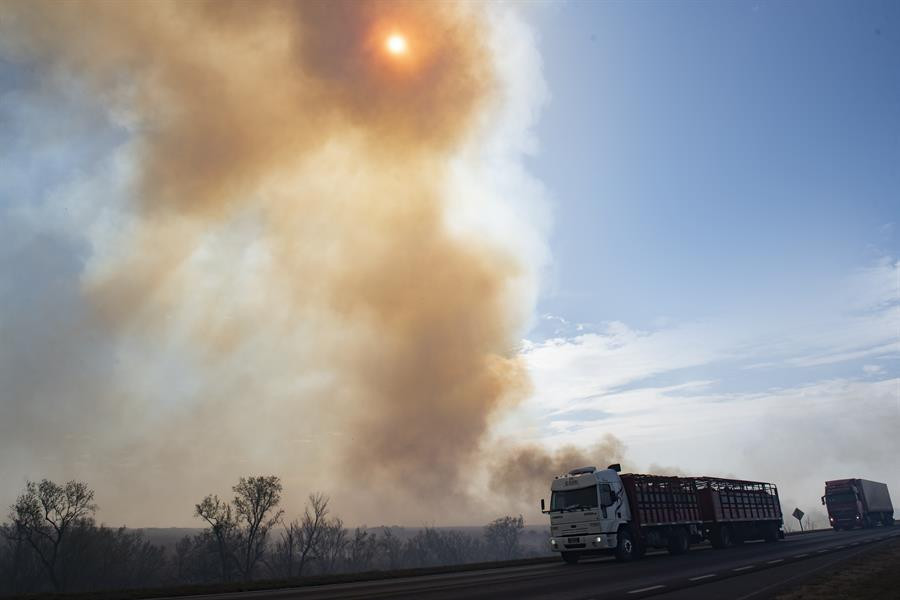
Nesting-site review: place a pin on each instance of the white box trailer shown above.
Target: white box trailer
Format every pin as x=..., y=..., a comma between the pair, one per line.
x=876, y=496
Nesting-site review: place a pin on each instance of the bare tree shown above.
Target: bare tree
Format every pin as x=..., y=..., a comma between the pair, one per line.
x=502, y=536
x=44, y=515
x=196, y=558
x=223, y=526
x=332, y=546
x=362, y=548
x=286, y=549
x=312, y=527
x=391, y=548
x=256, y=510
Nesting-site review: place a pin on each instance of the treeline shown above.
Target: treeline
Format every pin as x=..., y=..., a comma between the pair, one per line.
x=51, y=542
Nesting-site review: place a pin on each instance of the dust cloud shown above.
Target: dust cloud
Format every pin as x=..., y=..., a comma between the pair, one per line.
x=278, y=288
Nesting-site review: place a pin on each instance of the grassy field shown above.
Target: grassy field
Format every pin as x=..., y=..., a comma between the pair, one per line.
x=874, y=575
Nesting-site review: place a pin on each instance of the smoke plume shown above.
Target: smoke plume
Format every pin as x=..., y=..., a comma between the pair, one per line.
x=523, y=473
x=282, y=284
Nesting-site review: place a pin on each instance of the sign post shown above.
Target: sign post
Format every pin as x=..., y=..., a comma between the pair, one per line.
x=798, y=514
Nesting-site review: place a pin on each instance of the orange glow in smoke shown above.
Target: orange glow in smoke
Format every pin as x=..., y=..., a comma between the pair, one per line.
x=396, y=44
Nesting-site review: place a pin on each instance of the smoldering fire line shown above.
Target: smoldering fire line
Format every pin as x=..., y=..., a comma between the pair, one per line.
x=290, y=201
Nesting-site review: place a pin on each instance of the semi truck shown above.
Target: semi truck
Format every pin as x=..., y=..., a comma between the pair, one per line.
x=857, y=503
x=604, y=511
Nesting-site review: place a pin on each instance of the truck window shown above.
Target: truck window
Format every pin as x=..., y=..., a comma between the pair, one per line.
x=606, y=497
x=841, y=498
x=574, y=499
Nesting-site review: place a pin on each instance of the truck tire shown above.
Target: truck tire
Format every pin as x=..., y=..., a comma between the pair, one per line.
x=770, y=533
x=679, y=541
x=889, y=520
x=570, y=558
x=721, y=537
x=626, y=549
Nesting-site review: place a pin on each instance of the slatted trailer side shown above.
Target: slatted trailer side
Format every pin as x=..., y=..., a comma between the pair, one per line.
x=735, y=510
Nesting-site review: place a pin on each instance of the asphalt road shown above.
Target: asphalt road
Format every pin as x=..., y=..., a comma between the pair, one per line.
x=753, y=571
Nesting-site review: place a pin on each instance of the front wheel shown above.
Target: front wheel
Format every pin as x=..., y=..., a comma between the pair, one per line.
x=626, y=550
x=770, y=534
x=570, y=558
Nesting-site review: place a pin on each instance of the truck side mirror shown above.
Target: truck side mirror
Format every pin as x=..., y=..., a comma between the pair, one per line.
x=823, y=500
x=542, y=505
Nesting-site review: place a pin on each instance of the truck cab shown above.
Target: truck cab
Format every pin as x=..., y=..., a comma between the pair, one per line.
x=843, y=503
x=858, y=503
x=587, y=508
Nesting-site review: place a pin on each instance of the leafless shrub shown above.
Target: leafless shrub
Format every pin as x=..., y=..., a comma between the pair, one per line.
x=502, y=537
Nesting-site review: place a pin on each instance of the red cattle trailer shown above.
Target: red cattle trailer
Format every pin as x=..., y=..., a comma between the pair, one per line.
x=725, y=511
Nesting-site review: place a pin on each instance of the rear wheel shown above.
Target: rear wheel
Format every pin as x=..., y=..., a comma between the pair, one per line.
x=570, y=558
x=679, y=542
x=888, y=520
x=721, y=537
x=770, y=533
x=626, y=550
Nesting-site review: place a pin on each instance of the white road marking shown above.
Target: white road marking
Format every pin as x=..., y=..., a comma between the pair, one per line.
x=777, y=560
x=855, y=544
x=821, y=551
x=646, y=589
x=701, y=577
x=743, y=568
x=840, y=547
x=801, y=555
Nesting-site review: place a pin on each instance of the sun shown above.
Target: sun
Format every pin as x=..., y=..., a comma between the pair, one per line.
x=396, y=44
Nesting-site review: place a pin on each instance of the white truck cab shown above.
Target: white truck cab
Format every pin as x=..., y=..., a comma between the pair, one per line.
x=587, y=508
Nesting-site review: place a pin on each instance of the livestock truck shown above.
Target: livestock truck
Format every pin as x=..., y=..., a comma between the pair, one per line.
x=857, y=503
x=602, y=511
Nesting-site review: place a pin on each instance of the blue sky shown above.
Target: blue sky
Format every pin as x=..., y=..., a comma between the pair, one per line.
x=725, y=184
x=701, y=155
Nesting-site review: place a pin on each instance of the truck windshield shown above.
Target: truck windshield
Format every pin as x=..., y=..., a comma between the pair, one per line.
x=841, y=498
x=574, y=499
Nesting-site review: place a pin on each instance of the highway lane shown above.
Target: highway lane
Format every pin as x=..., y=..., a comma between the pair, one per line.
x=765, y=584
x=701, y=573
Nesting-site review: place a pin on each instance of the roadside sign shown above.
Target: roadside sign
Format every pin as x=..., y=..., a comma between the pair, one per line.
x=798, y=514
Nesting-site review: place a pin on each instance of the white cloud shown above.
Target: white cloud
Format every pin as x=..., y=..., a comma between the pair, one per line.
x=746, y=399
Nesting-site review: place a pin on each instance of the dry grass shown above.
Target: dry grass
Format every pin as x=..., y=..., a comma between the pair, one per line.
x=874, y=575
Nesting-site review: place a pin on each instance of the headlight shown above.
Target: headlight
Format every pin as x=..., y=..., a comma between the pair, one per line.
x=857, y=516
x=599, y=539
x=552, y=542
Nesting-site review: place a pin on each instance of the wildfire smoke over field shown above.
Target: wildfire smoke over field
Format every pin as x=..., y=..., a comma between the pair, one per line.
x=294, y=260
